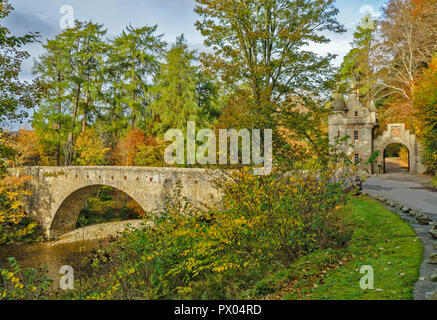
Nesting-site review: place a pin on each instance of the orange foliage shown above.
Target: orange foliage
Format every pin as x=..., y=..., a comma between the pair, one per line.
x=132, y=204
x=126, y=150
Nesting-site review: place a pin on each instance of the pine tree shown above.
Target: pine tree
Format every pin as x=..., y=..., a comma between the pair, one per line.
x=134, y=56
x=357, y=68
x=74, y=58
x=175, y=97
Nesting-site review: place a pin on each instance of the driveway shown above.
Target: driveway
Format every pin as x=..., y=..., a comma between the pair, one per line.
x=408, y=190
x=405, y=189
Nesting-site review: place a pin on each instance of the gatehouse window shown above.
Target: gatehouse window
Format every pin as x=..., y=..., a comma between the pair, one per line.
x=356, y=113
x=356, y=135
x=338, y=134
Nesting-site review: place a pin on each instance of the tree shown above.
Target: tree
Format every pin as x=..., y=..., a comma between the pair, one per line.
x=175, y=97
x=14, y=222
x=357, y=68
x=134, y=56
x=15, y=96
x=51, y=121
x=90, y=149
x=72, y=62
x=408, y=35
x=261, y=55
x=425, y=103
x=28, y=150
x=126, y=152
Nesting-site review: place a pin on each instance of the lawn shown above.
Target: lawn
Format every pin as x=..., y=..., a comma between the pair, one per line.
x=434, y=181
x=381, y=239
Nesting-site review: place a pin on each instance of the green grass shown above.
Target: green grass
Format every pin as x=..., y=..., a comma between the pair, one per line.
x=381, y=239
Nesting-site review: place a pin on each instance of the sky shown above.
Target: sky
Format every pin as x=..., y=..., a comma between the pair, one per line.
x=173, y=17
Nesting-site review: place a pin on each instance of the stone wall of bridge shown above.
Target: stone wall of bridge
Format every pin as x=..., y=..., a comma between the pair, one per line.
x=59, y=193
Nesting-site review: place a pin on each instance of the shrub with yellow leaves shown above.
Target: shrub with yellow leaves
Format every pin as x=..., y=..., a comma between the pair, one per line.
x=15, y=224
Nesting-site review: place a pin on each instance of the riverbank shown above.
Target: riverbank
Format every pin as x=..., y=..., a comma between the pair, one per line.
x=98, y=232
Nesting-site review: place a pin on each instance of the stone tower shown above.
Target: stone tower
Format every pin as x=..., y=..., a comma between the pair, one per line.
x=350, y=118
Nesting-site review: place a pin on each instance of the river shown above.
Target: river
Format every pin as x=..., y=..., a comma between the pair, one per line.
x=71, y=249
x=50, y=256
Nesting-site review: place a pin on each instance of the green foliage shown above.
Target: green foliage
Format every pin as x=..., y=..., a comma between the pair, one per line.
x=357, y=68
x=22, y=284
x=434, y=181
x=181, y=92
x=15, y=96
x=134, y=59
x=108, y=205
x=259, y=51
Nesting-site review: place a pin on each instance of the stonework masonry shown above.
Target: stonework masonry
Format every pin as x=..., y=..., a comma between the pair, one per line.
x=59, y=193
x=358, y=122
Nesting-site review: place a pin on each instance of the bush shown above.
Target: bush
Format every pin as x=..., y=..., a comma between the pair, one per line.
x=280, y=217
x=15, y=224
x=22, y=284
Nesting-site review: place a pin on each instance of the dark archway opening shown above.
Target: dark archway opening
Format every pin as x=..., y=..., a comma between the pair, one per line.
x=108, y=205
x=396, y=158
x=94, y=204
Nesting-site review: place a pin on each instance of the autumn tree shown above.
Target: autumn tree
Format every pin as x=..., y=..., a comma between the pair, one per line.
x=90, y=149
x=69, y=73
x=261, y=54
x=51, y=121
x=28, y=149
x=408, y=33
x=16, y=96
x=425, y=103
x=129, y=146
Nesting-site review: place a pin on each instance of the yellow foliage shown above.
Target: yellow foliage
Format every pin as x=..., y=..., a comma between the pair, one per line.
x=13, y=193
x=90, y=149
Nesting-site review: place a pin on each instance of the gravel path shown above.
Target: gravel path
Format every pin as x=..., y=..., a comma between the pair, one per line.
x=99, y=231
x=403, y=191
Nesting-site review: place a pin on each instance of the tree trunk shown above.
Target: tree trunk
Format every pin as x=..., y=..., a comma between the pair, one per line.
x=58, y=146
x=85, y=112
x=58, y=127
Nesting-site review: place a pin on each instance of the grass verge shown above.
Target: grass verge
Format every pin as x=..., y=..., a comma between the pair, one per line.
x=381, y=240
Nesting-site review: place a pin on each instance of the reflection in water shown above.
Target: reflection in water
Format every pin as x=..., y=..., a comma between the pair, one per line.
x=50, y=256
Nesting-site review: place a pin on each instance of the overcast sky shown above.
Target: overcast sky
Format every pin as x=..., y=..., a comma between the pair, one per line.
x=173, y=17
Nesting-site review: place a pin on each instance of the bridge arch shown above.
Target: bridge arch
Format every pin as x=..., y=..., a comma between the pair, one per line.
x=67, y=213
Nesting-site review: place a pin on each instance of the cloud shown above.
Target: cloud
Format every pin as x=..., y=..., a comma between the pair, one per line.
x=22, y=23
x=369, y=9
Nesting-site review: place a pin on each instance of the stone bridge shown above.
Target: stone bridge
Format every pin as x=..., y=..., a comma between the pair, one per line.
x=59, y=193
